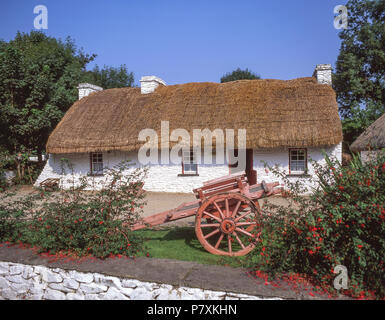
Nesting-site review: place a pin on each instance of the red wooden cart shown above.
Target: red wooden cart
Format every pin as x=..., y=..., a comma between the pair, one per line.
x=227, y=214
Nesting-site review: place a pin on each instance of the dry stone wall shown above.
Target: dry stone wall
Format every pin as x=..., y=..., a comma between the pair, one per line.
x=19, y=281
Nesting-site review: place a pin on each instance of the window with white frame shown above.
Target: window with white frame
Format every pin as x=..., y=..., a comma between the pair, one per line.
x=297, y=161
x=189, y=162
x=96, y=163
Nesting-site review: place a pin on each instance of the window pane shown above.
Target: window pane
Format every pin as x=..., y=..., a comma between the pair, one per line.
x=189, y=162
x=97, y=163
x=298, y=160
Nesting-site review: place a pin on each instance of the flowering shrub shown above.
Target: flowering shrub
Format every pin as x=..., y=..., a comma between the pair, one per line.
x=79, y=221
x=342, y=222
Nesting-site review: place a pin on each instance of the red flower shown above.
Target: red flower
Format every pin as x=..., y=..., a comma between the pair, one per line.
x=100, y=222
x=76, y=221
x=359, y=246
x=80, y=220
x=341, y=188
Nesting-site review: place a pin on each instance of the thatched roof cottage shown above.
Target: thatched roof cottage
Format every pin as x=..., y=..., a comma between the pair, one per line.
x=287, y=123
x=372, y=140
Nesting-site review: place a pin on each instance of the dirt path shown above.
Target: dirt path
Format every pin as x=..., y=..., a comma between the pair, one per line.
x=156, y=202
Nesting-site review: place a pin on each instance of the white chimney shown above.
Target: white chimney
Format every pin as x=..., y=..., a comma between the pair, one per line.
x=323, y=73
x=148, y=84
x=86, y=88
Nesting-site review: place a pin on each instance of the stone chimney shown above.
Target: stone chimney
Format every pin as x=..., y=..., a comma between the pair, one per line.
x=323, y=73
x=148, y=84
x=86, y=88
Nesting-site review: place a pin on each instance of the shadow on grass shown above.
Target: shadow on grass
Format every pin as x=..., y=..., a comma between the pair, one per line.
x=181, y=243
x=177, y=233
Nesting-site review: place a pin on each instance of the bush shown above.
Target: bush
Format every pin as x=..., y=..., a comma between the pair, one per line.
x=342, y=222
x=79, y=221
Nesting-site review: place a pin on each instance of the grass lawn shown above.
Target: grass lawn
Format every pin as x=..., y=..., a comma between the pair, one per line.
x=181, y=243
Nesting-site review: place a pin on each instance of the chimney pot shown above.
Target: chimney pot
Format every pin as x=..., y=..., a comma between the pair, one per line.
x=86, y=88
x=323, y=73
x=148, y=84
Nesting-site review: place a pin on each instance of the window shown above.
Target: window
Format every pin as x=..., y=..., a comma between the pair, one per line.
x=297, y=161
x=189, y=163
x=96, y=163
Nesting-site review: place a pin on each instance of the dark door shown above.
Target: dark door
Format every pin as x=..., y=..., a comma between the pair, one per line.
x=250, y=172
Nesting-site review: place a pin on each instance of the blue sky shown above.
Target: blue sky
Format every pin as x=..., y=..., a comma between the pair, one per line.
x=190, y=40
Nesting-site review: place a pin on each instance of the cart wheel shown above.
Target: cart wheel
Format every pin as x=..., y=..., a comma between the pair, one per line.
x=228, y=224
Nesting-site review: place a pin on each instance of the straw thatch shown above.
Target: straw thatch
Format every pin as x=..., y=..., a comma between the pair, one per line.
x=275, y=113
x=372, y=138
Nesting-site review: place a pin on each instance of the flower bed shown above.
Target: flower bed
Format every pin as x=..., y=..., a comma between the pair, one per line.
x=341, y=223
x=77, y=222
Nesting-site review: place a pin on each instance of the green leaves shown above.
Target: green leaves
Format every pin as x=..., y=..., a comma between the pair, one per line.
x=83, y=223
x=38, y=79
x=341, y=222
x=360, y=67
x=109, y=77
x=239, y=74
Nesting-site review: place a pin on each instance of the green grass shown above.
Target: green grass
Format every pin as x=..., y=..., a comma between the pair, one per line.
x=181, y=243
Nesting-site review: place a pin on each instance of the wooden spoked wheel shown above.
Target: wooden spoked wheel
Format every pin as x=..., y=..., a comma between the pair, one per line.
x=228, y=224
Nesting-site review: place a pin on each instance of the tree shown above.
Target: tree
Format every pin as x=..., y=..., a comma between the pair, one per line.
x=38, y=79
x=110, y=77
x=239, y=74
x=359, y=79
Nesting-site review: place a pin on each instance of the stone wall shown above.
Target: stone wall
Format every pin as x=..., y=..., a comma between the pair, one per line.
x=20, y=281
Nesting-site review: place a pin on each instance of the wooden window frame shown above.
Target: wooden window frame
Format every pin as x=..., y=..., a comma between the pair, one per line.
x=91, y=165
x=189, y=173
x=298, y=173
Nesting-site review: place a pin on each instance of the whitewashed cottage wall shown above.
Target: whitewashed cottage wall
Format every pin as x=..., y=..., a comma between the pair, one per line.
x=273, y=157
x=164, y=178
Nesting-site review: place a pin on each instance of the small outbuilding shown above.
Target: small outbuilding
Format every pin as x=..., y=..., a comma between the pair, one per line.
x=371, y=141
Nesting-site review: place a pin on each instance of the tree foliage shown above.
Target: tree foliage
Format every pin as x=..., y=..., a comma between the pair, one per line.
x=239, y=74
x=38, y=83
x=110, y=77
x=359, y=79
x=340, y=222
x=38, y=78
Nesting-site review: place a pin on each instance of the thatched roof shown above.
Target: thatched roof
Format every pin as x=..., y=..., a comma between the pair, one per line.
x=275, y=113
x=372, y=138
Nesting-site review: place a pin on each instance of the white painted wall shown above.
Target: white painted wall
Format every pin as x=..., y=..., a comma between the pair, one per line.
x=161, y=178
x=281, y=157
x=164, y=178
